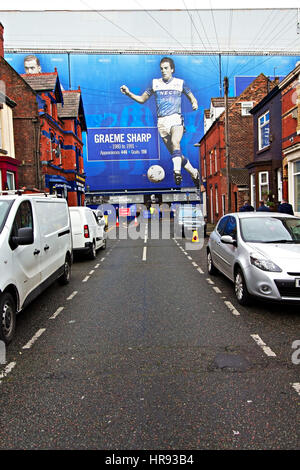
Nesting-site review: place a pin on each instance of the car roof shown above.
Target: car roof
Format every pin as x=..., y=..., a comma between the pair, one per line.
x=246, y=215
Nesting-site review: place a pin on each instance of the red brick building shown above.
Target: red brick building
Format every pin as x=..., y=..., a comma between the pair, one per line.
x=48, y=123
x=265, y=171
x=62, y=122
x=213, y=155
x=8, y=163
x=290, y=115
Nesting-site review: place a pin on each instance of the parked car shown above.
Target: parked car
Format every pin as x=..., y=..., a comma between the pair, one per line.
x=188, y=218
x=260, y=253
x=87, y=231
x=35, y=250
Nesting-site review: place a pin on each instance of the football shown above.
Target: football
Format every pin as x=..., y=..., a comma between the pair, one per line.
x=155, y=173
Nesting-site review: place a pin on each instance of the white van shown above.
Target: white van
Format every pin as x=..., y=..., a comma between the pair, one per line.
x=35, y=250
x=87, y=231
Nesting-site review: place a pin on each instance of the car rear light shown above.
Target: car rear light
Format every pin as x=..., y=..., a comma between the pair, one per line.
x=86, y=231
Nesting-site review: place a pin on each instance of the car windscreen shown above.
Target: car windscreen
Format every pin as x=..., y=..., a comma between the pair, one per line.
x=190, y=212
x=4, y=211
x=270, y=230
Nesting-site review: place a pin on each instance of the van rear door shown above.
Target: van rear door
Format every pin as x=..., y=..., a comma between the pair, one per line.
x=55, y=234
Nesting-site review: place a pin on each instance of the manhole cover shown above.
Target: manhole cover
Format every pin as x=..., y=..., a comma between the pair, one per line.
x=231, y=361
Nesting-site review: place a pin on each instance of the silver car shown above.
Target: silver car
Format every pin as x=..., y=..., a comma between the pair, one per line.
x=260, y=253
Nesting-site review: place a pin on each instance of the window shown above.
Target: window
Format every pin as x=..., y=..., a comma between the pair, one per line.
x=263, y=178
x=246, y=107
x=221, y=225
x=204, y=167
x=252, y=190
x=223, y=204
x=263, y=130
x=230, y=228
x=296, y=183
x=10, y=180
x=217, y=202
x=58, y=151
x=279, y=184
x=211, y=206
x=210, y=163
x=216, y=160
x=23, y=219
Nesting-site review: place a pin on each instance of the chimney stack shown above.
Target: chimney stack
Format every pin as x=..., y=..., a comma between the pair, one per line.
x=1, y=40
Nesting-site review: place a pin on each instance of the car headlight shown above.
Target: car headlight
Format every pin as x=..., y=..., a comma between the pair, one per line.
x=265, y=264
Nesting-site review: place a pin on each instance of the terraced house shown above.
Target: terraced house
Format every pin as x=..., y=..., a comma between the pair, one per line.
x=48, y=123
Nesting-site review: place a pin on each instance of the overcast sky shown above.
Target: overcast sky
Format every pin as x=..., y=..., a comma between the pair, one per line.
x=143, y=4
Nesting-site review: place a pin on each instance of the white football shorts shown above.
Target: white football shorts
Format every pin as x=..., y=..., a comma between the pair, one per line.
x=165, y=123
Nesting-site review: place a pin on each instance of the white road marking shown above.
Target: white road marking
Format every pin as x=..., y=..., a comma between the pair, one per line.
x=92, y=271
x=60, y=309
x=209, y=281
x=102, y=259
x=268, y=351
x=7, y=370
x=34, y=338
x=86, y=279
x=144, y=254
x=296, y=386
x=97, y=266
x=189, y=257
x=195, y=264
x=72, y=295
x=232, y=308
x=217, y=290
x=200, y=271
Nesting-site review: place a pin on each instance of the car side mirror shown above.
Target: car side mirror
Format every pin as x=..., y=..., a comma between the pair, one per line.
x=228, y=240
x=24, y=237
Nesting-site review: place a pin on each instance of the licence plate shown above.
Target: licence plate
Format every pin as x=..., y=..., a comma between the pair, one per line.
x=297, y=282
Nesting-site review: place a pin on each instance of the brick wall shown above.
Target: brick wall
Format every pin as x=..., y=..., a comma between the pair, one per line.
x=241, y=127
x=241, y=148
x=25, y=122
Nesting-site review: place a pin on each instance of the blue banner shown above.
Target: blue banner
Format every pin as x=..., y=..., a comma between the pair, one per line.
x=112, y=114
x=114, y=144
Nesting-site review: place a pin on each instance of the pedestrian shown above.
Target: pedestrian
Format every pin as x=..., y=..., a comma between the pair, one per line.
x=168, y=92
x=247, y=206
x=263, y=207
x=285, y=207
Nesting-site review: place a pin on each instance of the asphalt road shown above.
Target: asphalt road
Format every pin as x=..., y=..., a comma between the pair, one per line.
x=143, y=350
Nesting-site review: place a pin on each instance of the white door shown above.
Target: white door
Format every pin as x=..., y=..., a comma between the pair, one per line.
x=26, y=258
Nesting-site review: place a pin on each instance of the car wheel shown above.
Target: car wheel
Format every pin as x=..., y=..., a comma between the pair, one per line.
x=210, y=265
x=240, y=288
x=66, y=276
x=93, y=252
x=7, y=317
